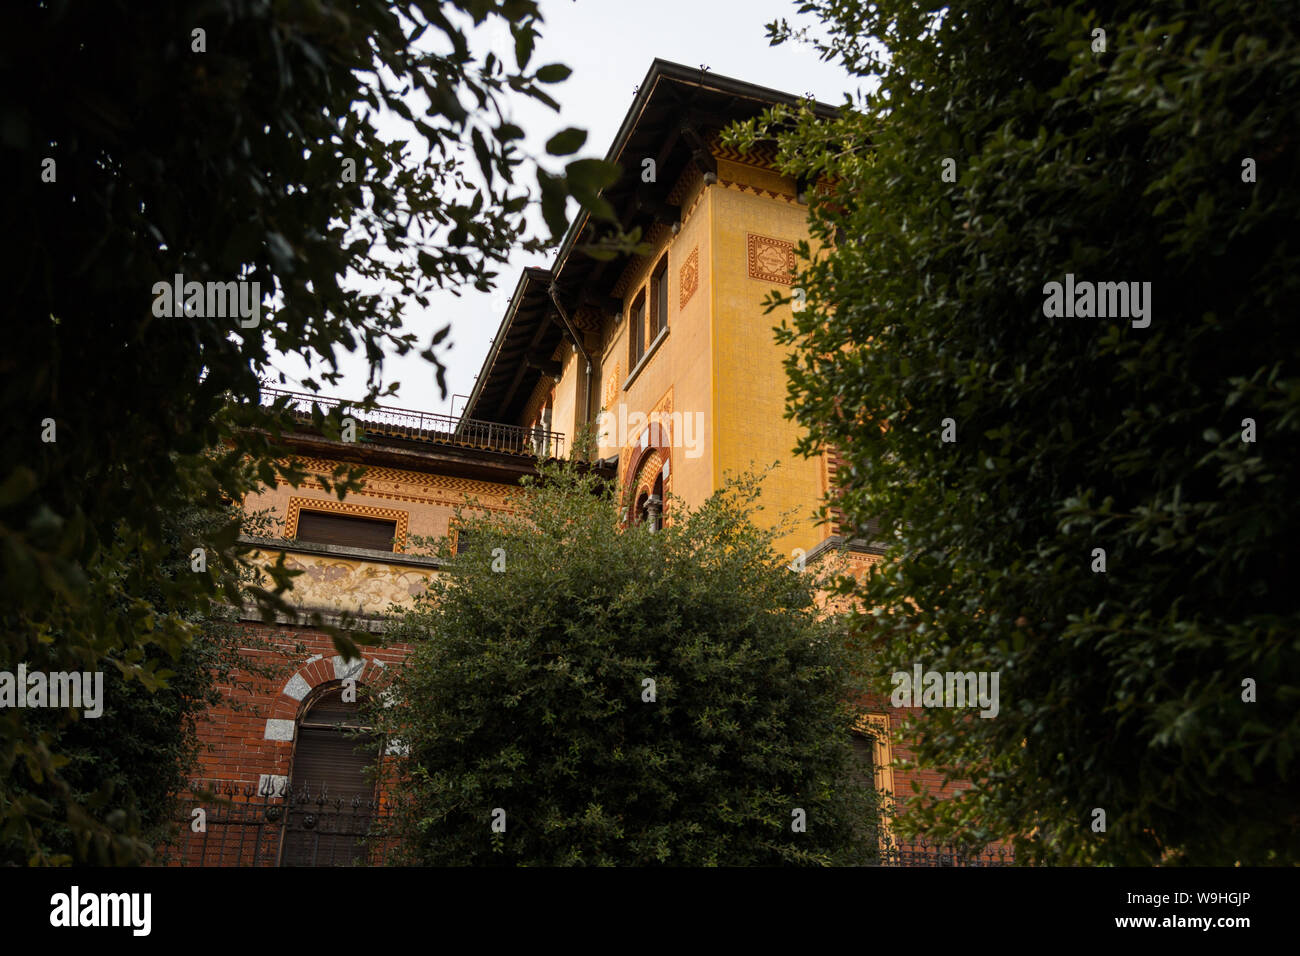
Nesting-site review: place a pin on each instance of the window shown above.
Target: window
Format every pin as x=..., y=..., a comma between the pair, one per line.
x=541, y=432
x=649, y=506
x=871, y=741
x=464, y=542
x=636, y=341
x=864, y=765
x=321, y=527
x=873, y=768
x=332, y=753
x=643, y=326
x=659, y=296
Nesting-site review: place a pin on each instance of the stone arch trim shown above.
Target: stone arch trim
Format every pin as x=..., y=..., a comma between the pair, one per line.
x=641, y=478
x=316, y=671
x=641, y=475
x=648, y=472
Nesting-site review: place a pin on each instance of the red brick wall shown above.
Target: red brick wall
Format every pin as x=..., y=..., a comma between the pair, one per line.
x=905, y=771
x=233, y=740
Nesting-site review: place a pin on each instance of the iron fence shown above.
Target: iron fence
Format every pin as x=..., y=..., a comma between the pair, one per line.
x=230, y=824
x=925, y=854
x=275, y=825
x=428, y=426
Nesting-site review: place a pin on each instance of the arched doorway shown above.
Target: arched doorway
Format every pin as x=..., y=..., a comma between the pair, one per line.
x=331, y=800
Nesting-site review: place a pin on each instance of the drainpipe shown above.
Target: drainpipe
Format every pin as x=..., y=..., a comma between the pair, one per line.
x=577, y=341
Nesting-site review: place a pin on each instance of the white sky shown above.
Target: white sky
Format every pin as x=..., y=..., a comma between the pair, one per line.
x=609, y=44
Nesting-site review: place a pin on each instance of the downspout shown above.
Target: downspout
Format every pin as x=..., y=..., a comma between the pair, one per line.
x=582, y=350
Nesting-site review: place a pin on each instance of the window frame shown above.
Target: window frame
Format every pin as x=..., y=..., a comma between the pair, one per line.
x=874, y=726
x=659, y=296
x=636, y=329
x=648, y=331
x=344, y=518
x=299, y=503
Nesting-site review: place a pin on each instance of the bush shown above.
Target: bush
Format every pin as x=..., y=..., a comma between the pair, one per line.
x=528, y=692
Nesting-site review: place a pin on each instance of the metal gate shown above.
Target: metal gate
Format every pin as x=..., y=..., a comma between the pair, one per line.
x=227, y=824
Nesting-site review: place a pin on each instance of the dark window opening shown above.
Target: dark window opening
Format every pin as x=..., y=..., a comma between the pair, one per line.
x=862, y=772
x=636, y=342
x=864, y=760
x=659, y=287
x=321, y=527
x=331, y=807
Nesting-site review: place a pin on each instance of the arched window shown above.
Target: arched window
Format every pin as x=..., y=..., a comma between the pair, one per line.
x=332, y=794
x=650, y=504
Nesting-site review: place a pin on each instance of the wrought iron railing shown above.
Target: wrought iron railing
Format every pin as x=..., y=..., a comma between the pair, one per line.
x=275, y=825
x=924, y=853
x=408, y=423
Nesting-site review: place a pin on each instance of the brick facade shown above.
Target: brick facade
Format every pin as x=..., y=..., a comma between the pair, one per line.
x=250, y=738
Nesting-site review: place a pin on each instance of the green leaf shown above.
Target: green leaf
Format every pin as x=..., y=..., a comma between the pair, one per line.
x=553, y=73
x=553, y=201
x=566, y=141
x=524, y=36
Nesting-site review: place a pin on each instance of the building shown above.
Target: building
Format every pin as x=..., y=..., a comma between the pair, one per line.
x=670, y=356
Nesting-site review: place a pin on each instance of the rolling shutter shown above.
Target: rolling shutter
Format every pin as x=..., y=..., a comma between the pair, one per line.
x=330, y=759
x=335, y=761
x=321, y=527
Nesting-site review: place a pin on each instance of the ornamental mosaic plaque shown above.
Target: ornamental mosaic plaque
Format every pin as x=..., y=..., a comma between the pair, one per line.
x=771, y=260
x=688, y=280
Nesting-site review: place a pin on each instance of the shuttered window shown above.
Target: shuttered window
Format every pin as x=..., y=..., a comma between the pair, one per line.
x=659, y=287
x=464, y=542
x=330, y=761
x=321, y=527
x=328, y=753
x=636, y=338
x=334, y=761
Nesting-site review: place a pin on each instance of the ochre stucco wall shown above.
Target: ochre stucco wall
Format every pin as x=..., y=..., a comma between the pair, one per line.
x=720, y=363
x=749, y=378
x=677, y=375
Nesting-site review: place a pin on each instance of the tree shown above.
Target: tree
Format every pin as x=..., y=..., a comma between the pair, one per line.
x=580, y=694
x=1100, y=509
x=117, y=800
x=234, y=144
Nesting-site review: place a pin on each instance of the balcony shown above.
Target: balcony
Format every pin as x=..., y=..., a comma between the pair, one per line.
x=404, y=423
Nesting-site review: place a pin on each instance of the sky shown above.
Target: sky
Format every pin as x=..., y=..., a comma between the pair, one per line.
x=609, y=44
